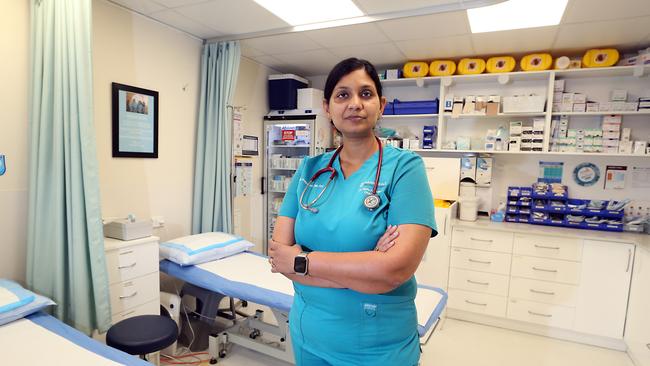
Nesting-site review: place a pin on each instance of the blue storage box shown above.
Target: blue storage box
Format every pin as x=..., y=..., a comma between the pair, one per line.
x=388, y=110
x=416, y=107
x=283, y=91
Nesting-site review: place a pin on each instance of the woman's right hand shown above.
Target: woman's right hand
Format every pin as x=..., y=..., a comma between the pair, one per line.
x=388, y=239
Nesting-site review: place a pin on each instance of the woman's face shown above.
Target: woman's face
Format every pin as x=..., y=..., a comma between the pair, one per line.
x=355, y=105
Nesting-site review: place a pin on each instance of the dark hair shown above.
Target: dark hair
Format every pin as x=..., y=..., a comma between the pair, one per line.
x=347, y=66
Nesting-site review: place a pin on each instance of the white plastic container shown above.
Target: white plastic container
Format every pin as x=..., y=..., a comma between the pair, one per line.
x=468, y=210
x=124, y=229
x=467, y=189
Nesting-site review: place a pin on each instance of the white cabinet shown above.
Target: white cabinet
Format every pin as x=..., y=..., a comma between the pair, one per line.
x=434, y=268
x=134, y=283
x=637, y=325
x=605, y=282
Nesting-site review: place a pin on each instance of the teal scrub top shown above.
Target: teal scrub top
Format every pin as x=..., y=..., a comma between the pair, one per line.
x=344, y=224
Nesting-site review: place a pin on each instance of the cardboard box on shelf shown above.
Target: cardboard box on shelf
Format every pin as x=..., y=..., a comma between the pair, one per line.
x=618, y=106
x=566, y=107
x=631, y=106
x=557, y=97
x=626, y=134
x=640, y=147
x=592, y=107
x=625, y=147
x=618, y=95
x=605, y=107
x=579, y=98
x=611, y=135
x=567, y=98
x=579, y=107
x=558, y=85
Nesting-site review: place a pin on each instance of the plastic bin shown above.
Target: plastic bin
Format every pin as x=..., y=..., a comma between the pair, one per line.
x=388, y=110
x=415, y=107
x=468, y=210
x=283, y=91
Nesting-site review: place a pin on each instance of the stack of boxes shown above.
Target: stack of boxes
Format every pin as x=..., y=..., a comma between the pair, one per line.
x=577, y=102
x=611, y=134
x=526, y=137
x=428, y=137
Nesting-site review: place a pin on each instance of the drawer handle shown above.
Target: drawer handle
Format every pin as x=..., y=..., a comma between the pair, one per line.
x=128, y=265
x=477, y=261
x=126, y=252
x=542, y=292
x=540, y=314
x=475, y=303
x=545, y=270
x=483, y=240
x=478, y=283
x=128, y=296
x=546, y=247
x=128, y=313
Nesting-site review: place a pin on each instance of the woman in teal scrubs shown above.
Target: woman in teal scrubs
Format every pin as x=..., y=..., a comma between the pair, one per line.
x=352, y=266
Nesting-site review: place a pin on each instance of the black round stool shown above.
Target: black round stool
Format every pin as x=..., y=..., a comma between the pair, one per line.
x=143, y=334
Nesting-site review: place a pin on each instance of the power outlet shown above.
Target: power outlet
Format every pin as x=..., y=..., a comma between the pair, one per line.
x=638, y=208
x=157, y=221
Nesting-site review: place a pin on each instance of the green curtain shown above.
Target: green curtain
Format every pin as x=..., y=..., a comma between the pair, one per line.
x=65, y=245
x=212, y=206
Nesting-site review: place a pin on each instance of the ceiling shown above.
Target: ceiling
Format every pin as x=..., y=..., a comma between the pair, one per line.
x=586, y=24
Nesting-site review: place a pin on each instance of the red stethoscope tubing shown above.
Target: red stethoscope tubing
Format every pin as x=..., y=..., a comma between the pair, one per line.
x=329, y=168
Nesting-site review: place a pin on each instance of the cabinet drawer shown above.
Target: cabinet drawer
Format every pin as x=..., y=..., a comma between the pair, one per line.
x=150, y=308
x=131, y=262
x=546, y=269
x=129, y=294
x=545, y=314
x=548, y=247
x=497, y=241
x=543, y=291
x=479, y=260
x=488, y=283
x=477, y=302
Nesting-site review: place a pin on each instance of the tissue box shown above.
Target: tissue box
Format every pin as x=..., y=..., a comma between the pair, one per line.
x=127, y=230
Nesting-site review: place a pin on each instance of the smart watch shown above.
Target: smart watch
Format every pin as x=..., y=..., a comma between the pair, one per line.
x=301, y=264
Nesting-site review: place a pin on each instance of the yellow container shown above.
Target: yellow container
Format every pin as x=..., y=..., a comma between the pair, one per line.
x=536, y=62
x=471, y=66
x=600, y=58
x=416, y=69
x=501, y=64
x=442, y=68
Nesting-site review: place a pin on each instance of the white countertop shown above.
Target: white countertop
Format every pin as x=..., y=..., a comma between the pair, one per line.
x=622, y=237
x=113, y=244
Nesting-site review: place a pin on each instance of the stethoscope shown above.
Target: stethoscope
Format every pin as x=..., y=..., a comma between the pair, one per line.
x=371, y=201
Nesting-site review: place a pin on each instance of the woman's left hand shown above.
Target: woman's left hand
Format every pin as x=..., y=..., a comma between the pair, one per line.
x=281, y=257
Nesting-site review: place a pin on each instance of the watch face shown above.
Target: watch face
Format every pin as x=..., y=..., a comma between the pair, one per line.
x=300, y=265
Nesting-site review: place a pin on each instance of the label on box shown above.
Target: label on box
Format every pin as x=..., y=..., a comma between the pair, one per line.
x=288, y=135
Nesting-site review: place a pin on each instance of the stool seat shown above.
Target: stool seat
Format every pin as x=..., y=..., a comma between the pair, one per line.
x=143, y=334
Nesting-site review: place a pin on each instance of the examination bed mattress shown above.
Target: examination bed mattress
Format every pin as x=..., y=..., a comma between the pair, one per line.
x=41, y=339
x=247, y=276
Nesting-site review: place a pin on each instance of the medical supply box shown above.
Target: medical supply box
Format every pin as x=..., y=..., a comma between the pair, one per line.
x=283, y=91
x=125, y=229
x=310, y=99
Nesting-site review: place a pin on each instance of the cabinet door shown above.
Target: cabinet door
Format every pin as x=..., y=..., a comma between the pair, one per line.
x=601, y=303
x=637, y=325
x=434, y=268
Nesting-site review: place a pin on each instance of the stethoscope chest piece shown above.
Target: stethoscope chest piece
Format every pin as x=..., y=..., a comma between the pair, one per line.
x=371, y=201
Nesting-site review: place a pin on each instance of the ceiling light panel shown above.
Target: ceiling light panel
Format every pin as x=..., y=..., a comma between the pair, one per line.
x=516, y=14
x=300, y=12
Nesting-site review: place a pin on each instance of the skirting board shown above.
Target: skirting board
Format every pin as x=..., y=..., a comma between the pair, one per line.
x=564, y=334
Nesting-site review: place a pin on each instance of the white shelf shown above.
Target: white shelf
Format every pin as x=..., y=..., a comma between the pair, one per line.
x=272, y=146
x=609, y=113
x=500, y=115
x=289, y=169
x=616, y=71
x=527, y=153
x=408, y=116
x=428, y=80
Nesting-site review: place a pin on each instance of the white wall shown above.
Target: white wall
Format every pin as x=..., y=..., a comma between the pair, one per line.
x=251, y=94
x=14, y=73
x=134, y=50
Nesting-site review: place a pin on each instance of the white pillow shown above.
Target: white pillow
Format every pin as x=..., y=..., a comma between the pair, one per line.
x=16, y=302
x=201, y=248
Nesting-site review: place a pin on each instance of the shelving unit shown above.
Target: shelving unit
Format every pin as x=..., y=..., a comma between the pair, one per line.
x=596, y=83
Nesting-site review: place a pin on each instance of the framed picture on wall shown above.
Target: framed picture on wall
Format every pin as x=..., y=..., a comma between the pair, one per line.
x=135, y=122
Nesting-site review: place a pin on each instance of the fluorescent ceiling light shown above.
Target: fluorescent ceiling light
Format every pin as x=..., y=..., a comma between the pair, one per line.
x=516, y=14
x=300, y=12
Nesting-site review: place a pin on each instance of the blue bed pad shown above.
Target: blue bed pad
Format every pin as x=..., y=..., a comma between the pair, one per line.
x=245, y=291
x=56, y=326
